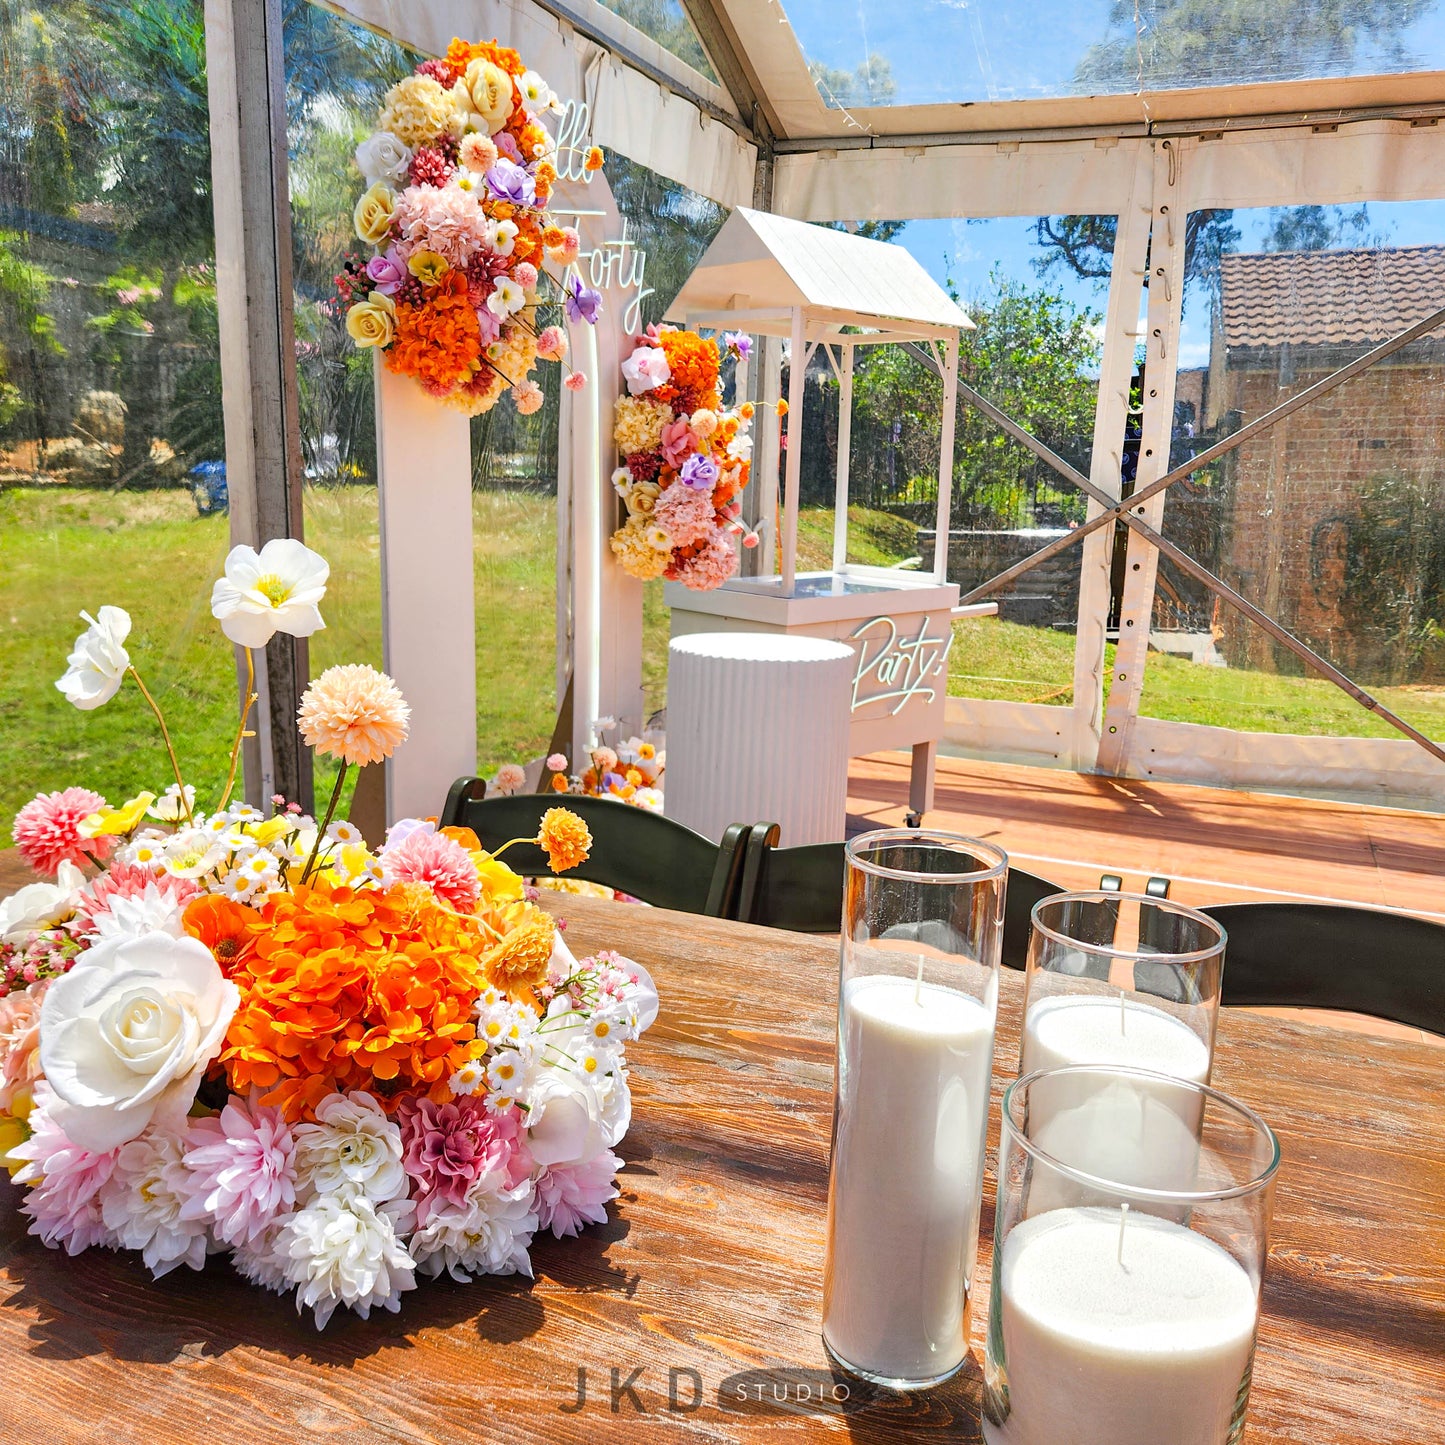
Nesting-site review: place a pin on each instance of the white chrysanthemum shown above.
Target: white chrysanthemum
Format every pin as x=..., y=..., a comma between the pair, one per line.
x=259, y=1262
x=490, y=1234
x=149, y=911
x=142, y=1204
x=344, y=1250
x=352, y=1150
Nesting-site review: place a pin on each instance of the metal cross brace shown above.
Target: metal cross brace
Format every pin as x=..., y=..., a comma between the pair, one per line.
x=1126, y=510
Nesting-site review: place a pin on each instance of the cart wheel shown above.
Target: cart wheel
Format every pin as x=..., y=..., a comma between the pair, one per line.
x=913, y=820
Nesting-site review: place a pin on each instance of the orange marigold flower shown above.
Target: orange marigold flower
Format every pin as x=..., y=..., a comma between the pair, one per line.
x=781, y=409
x=501, y=210
x=226, y=927
x=746, y=411
x=546, y=171
x=594, y=159
x=344, y=990
x=559, y=782
x=438, y=342
x=461, y=53
x=552, y=237
x=565, y=837
x=519, y=962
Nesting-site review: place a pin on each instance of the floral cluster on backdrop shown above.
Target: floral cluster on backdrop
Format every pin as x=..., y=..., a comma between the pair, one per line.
x=685, y=461
x=459, y=172
x=244, y=1030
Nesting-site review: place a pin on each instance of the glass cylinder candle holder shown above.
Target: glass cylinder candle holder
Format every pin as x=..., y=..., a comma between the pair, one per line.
x=917, y=1001
x=1129, y=981
x=1122, y=1314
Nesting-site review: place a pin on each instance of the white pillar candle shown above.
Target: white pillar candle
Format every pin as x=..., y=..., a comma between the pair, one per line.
x=1126, y=1130
x=907, y=1175
x=1120, y=1330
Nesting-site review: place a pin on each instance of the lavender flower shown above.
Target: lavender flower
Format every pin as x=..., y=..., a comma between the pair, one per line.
x=508, y=181
x=698, y=472
x=739, y=343
x=388, y=271
x=583, y=303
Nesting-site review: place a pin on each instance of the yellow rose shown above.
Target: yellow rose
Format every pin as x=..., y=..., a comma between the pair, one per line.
x=642, y=498
x=373, y=213
x=428, y=267
x=372, y=322
x=490, y=88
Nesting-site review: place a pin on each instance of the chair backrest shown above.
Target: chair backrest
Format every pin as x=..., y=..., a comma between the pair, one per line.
x=636, y=851
x=1316, y=955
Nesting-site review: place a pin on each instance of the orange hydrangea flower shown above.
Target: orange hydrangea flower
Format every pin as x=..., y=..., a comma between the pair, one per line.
x=345, y=990
x=438, y=342
x=565, y=838
x=226, y=927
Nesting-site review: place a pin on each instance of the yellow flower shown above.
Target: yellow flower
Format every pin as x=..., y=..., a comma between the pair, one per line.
x=116, y=822
x=642, y=498
x=499, y=884
x=781, y=409
x=647, y=752
x=490, y=89
x=373, y=213
x=355, y=713
x=267, y=833
x=635, y=547
x=520, y=960
x=372, y=322
x=416, y=110
x=428, y=267
x=565, y=839
x=12, y=1133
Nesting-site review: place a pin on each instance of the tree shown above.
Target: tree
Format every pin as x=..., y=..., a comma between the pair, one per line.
x=871, y=84
x=1319, y=228
x=665, y=22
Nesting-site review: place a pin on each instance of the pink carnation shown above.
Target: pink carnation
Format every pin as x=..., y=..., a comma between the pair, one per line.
x=557, y=763
x=685, y=514
x=525, y=276
x=241, y=1172
x=447, y=221
x=575, y=380
x=678, y=442
x=127, y=880
x=47, y=830
x=552, y=344
x=439, y=862
x=64, y=1202
x=19, y=1042
x=711, y=567
x=447, y=1148
x=429, y=167
x=570, y=1196
x=527, y=396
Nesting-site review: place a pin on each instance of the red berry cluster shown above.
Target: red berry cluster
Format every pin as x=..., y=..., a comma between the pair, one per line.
x=352, y=282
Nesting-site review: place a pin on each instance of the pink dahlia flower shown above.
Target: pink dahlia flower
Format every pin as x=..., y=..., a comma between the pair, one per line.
x=570, y=1196
x=47, y=830
x=64, y=1202
x=241, y=1170
x=447, y=1148
x=439, y=862
x=685, y=514
x=127, y=880
x=710, y=568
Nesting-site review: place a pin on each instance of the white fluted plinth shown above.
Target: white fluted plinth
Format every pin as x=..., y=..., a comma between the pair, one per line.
x=757, y=731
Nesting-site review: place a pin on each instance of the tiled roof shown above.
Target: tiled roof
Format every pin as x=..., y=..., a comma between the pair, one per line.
x=1329, y=298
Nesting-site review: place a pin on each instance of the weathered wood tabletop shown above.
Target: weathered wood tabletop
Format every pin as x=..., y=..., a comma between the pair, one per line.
x=711, y=1266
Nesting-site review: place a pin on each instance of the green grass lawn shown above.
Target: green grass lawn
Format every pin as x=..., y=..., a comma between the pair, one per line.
x=64, y=549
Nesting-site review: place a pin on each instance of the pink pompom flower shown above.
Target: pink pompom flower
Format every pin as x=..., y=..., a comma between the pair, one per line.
x=448, y=1148
x=47, y=830
x=552, y=343
x=241, y=1171
x=570, y=1196
x=64, y=1199
x=439, y=862
x=527, y=396
x=575, y=380
x=557, y=763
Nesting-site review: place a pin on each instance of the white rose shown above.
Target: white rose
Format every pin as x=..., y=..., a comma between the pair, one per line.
x=40, y=905
x=126, y=1035
x=383, y=157
x=565, y=1122
x=99, y=661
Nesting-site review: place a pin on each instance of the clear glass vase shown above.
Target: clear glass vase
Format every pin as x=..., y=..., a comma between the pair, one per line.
x=1121, y=1313
x=917, y=1001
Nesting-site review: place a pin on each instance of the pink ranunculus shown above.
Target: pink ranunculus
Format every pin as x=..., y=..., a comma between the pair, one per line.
x=241, y=1170
x=388, y=271
x=570, y=1196
x=439, y=862
x=47, y=830
x=678, y=442
x=19, y=1042
x=447, y=1148
x=64, y=1199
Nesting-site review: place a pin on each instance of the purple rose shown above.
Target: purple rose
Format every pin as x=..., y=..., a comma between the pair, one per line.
x=583, y=303
x=508, y=181
x=739, y=343
x=698, y=472
x=388, y=271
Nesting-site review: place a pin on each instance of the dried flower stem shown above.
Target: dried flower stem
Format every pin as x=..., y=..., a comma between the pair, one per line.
x=246, y=706
x=166, y=738
x=326, y=821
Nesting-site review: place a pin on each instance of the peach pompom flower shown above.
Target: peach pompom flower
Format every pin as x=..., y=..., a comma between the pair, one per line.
x=47, y=830
x=510, y=779
x=527, y=396
x=575, y=380
x=354, y=713
x=565, y=838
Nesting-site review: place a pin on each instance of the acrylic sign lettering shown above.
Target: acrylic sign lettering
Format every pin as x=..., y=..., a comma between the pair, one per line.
x=901, y=667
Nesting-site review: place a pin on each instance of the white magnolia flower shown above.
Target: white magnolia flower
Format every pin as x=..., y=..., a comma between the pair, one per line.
x=343, y=1249
x=645, y=369
x=564, y=1119
x=740, y=448
x=126, y=1035
x=275, y=590
x=504, y=239
x=99, y=660
x=537, y=95
x=168, y=808
x=149, y=911
x=142, y=1201
x=383, y=157
x=352, y=1149
x=489, y=1234
x=622, y=480
x=506, y=298
x=40, y=905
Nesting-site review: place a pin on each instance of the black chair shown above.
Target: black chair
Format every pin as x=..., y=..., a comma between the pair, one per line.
x=1317, y=955
x=638, y=852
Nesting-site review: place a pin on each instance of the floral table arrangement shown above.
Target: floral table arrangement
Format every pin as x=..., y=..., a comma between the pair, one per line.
x=234, y=1031
x=685, y=461
x=459, y=172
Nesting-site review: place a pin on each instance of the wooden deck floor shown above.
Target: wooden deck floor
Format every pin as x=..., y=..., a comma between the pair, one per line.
x=1215, y=846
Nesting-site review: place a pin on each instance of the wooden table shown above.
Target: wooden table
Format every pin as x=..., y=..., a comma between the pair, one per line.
x=712, y=1264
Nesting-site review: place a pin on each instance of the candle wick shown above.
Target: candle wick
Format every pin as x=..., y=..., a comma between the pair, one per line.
x=1123, y=1216
x=1121, y=1011
x=918, y=983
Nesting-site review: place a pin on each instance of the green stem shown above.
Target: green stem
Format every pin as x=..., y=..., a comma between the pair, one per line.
x=246, y=704
x=325, y=822
x=166, y=737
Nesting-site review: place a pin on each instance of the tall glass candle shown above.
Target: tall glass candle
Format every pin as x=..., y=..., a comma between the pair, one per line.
x=1129, y=1320
x=918, y=997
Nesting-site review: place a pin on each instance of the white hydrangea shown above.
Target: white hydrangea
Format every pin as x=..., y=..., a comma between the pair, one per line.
x=490, y=1234
x=344, y=1250
x=142, y=1202
x=352, y=1150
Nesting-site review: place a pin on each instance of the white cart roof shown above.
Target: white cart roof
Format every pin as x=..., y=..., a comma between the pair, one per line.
x=760, y=268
